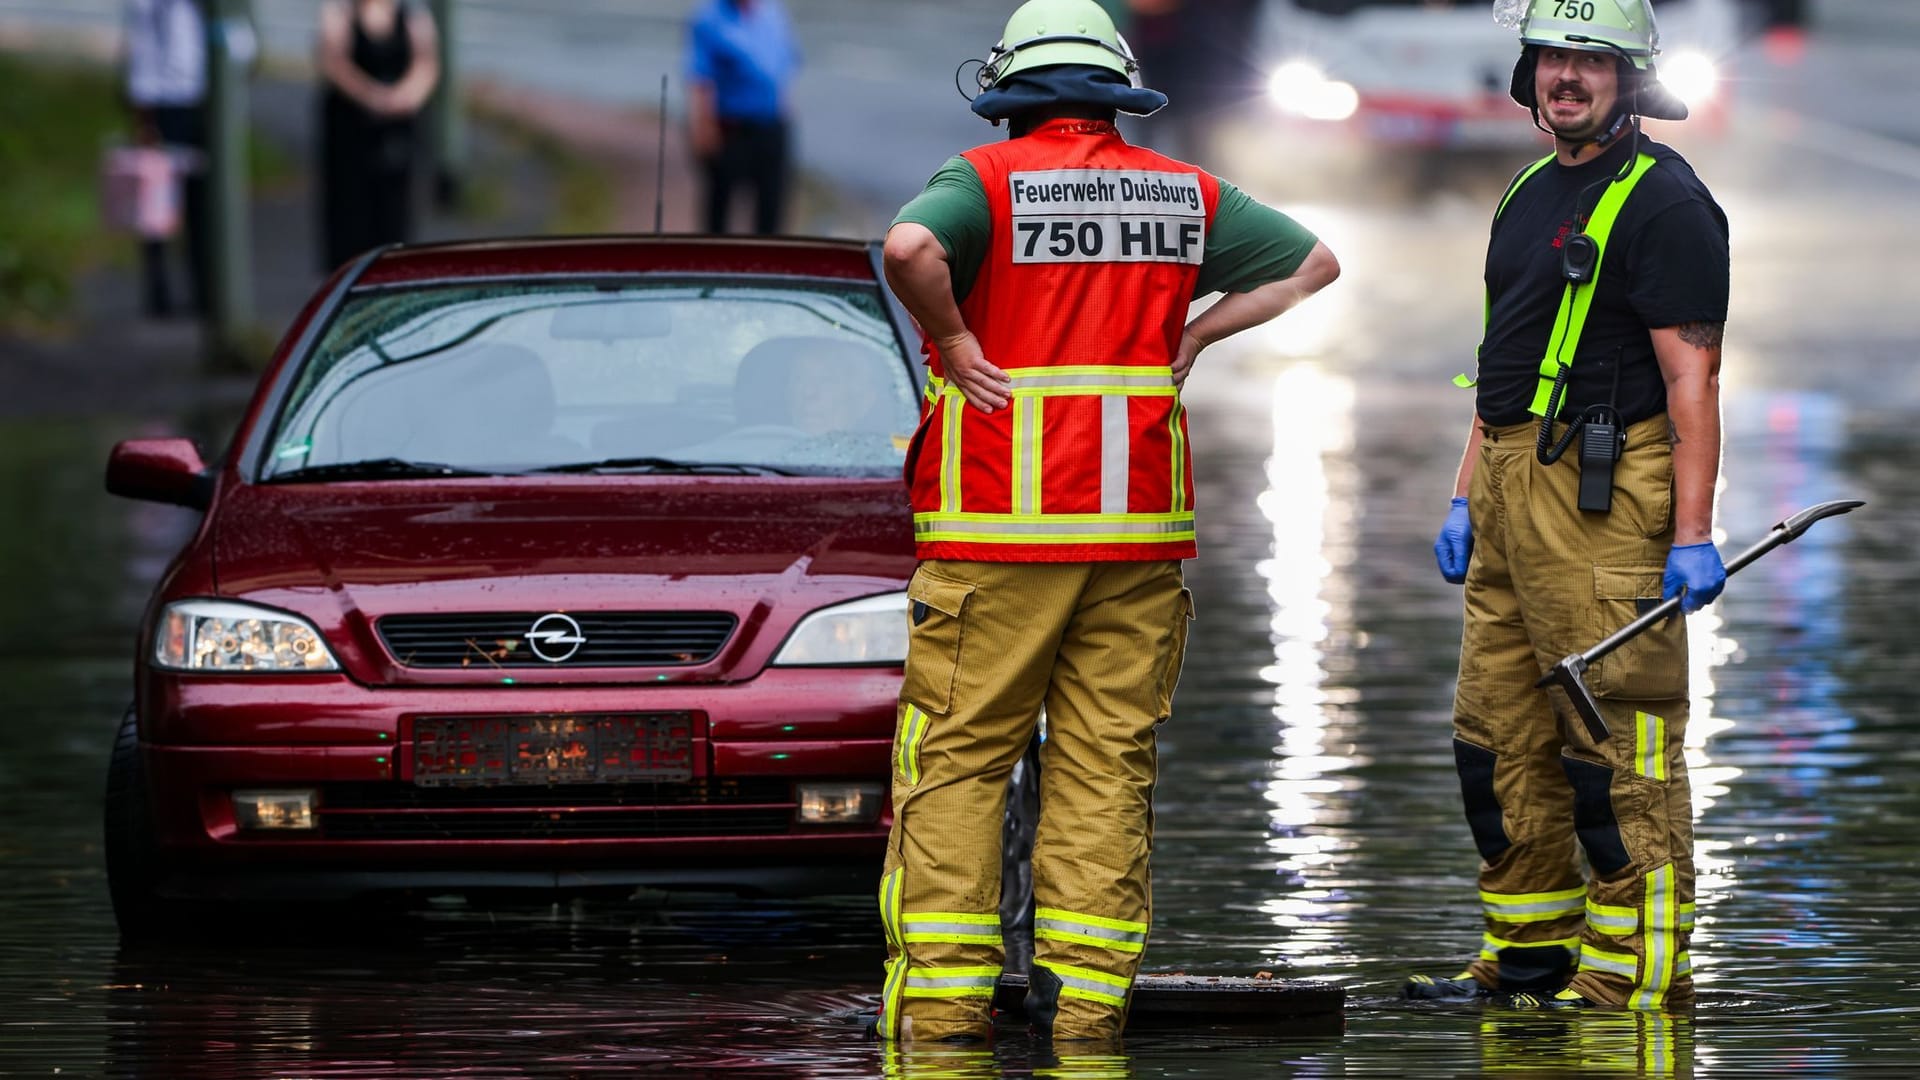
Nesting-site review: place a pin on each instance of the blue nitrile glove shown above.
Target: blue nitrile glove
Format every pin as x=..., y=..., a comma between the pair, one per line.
x=1455, y=544
x=1698, y=569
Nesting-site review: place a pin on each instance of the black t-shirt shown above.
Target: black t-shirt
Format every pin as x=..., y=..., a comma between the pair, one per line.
x=1665, y=265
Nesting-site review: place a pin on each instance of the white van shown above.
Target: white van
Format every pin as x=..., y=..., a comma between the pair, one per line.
x=1435, y=73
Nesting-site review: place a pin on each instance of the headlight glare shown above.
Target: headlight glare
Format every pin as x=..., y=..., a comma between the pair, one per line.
x=871, y=631
x=217, y=635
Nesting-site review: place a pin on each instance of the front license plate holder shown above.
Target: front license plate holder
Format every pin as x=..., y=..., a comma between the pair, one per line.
x=528, y=751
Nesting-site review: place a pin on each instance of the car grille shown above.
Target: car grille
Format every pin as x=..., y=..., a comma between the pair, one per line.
x=612, y=639
x=612, y=812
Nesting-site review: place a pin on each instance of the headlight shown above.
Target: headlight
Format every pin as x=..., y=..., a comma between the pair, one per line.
x=218, y=635
x=1691, y=76
x=1301, y=88
x=870, y=631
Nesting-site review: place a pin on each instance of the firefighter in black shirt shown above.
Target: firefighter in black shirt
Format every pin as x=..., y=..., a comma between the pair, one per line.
x=1607, y=282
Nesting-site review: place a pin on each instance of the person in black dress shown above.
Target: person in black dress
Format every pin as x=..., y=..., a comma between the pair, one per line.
x=379, y=60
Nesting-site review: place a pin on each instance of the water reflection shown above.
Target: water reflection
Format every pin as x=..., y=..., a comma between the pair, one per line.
x=1588, y=1044
x=1309, y=583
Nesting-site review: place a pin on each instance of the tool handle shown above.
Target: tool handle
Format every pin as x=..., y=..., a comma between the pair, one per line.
x=1783, y=533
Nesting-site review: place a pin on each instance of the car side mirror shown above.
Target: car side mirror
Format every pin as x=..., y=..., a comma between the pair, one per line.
x=160, y=470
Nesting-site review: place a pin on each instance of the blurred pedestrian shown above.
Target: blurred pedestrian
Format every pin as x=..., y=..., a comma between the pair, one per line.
x=1052, y=275
x=380, y=62
x=741, y=56
x=166, y=58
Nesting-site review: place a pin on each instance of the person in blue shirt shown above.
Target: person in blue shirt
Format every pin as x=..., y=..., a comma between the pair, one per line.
x=741, y=54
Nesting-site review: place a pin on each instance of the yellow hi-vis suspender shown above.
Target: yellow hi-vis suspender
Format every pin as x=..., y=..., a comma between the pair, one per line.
x=1577, y=299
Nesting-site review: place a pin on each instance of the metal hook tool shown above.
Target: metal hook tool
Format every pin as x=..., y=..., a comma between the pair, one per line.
x=1570, y=673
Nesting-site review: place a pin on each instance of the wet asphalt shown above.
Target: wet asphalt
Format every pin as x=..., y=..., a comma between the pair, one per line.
x=1308, y=818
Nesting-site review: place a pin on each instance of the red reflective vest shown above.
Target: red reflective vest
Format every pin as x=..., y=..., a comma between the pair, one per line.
x=1095, y=253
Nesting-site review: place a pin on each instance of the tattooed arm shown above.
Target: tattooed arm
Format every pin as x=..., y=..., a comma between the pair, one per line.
x=1689, y=356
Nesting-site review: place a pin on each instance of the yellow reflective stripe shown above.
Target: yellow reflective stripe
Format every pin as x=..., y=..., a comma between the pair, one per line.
x=1054, y=528
x=1575, y=302
x=1660, y=943
x=1683, y=965
x=890, y=991
x=1088, y=984
x=1069, y=380
x=1625, y=965
x=950, y=412
x=916, y=732
x=1090, y=920
x=1686, y=916
x=969, y=918
x=1650, y=745
x=1177, y=428
x=1047, y=371
x=1490, y=945
x=952, y=982
x=1617, y=921
x=1533, y=907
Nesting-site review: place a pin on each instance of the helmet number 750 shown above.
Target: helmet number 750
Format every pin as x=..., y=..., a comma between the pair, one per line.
x=1573, y=9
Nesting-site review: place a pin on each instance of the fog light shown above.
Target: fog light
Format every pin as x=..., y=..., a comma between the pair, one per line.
x=839, y=804
x=273, y=809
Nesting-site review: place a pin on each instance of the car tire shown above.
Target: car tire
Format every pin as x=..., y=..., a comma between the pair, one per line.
x=132, y=859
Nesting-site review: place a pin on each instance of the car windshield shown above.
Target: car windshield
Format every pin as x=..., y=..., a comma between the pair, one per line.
x=745, y=376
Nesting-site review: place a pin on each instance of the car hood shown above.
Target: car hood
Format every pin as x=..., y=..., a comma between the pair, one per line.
x=765, y=551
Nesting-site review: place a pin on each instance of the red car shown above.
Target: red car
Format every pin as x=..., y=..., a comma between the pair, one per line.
x=552, y=564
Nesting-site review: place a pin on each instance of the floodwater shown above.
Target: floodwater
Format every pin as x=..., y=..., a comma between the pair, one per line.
x=1308, y=815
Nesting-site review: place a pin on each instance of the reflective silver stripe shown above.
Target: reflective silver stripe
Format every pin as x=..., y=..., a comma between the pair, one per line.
x=1026, y=445
x=1045, y=527
x=1159, y=380
x=1683, y=966
x=1087, y=983
x=1615, y=921
x=979, y=931
x=1115, y=450
x=1614, y=963
x=1069, y=926
x=951, y=410
x=1651, y=735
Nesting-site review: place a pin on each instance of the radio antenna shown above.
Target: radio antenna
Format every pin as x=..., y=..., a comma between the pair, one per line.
x=660, y=166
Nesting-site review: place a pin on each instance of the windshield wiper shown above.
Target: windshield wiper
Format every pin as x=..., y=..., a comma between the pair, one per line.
x=664, y=465
x=377, y=468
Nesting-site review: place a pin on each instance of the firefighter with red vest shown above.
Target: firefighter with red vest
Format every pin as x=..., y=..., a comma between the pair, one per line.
x=1053, y=501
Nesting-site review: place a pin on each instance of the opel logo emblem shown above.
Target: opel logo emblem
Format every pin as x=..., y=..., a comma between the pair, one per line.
x=555, y=638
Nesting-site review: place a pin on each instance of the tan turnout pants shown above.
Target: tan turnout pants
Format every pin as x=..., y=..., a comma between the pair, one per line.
x=1099, y=645
x=1547, y=580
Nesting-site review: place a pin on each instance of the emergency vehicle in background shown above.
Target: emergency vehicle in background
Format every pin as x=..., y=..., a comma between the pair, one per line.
x=1435, y=73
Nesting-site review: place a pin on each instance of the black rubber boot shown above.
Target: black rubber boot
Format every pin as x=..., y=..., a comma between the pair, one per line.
x=1043, y=999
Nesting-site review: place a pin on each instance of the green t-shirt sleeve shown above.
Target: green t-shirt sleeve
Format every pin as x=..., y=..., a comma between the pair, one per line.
x=1250, y=245
x=954, y=208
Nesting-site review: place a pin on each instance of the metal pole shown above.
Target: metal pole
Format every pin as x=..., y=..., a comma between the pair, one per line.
x=230, y=53
x=448, y=116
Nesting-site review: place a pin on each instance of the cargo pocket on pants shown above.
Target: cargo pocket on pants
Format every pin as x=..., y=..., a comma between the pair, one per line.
x=1651, y=667
x=1176, y=658
x=937, y=613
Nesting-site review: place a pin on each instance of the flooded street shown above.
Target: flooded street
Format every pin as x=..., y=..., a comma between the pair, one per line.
x=1308, y=812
